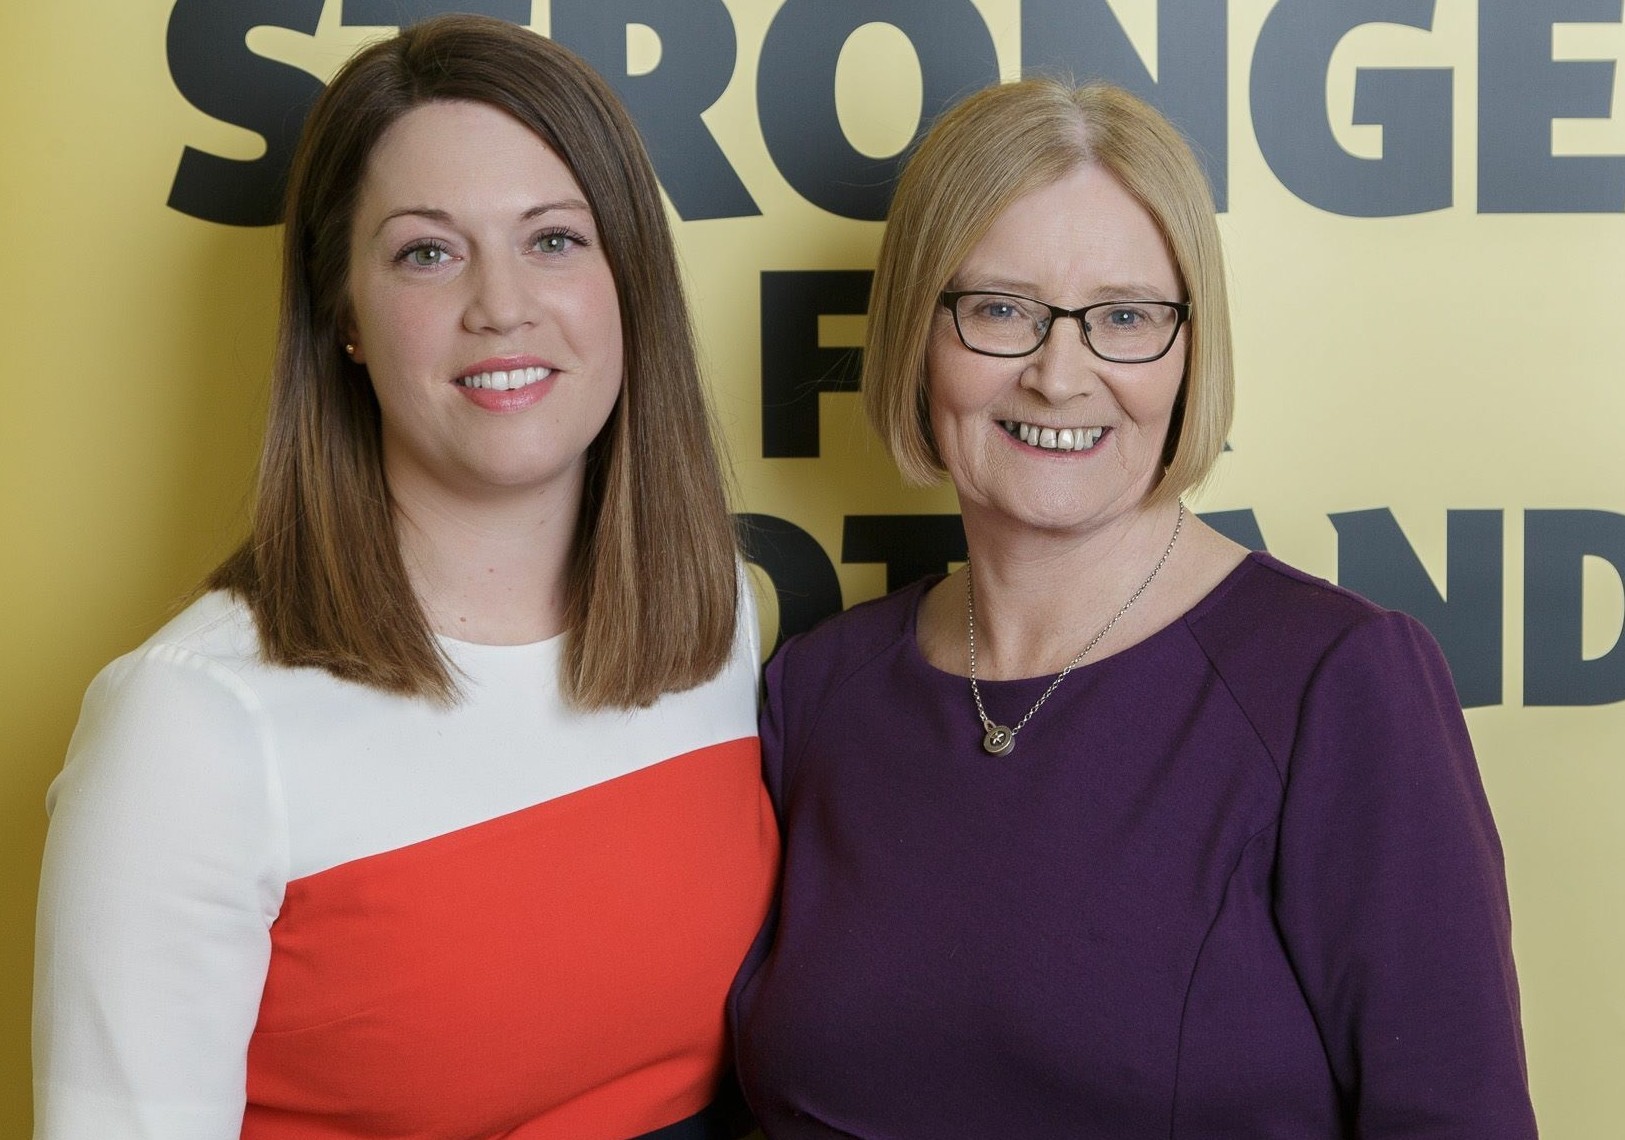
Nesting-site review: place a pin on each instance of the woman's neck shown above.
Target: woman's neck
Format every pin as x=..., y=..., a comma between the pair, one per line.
x=491, y=570
x=1041, y=595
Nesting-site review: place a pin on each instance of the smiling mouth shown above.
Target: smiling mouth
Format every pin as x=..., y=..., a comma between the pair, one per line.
x=1054, y=439
x=506, y=381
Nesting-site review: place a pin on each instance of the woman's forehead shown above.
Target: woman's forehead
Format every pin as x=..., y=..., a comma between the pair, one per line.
x=1084, y=233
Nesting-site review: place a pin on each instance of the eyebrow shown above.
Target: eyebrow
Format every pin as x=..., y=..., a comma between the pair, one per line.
x=1132, y=290
x=1112, y=291
x=444, y=217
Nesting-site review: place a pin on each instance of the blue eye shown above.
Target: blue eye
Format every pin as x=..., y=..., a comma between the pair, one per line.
x=999, y=309
x=1126, y=319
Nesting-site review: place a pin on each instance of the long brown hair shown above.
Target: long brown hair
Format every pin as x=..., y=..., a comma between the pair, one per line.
x=652, y=580
x=993, y=148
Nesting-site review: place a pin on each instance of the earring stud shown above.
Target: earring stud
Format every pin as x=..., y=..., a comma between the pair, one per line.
x=349, y=349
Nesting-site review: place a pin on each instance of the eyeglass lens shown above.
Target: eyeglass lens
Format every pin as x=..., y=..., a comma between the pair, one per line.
x=1123, y=331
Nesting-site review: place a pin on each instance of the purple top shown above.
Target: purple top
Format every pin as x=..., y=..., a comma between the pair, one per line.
x=1238, y=880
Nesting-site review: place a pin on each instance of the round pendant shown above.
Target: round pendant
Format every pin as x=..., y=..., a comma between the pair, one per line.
x=999, y=740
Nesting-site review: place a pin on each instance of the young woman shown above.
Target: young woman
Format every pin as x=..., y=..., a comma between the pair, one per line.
x=440, y=814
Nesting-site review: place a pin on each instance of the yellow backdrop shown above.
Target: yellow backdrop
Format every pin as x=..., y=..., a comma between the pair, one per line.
x=1420, y=337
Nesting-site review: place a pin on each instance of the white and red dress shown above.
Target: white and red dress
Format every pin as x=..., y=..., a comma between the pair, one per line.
x=278, y=905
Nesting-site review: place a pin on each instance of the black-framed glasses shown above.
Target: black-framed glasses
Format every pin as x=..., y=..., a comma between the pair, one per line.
x=1008, y=324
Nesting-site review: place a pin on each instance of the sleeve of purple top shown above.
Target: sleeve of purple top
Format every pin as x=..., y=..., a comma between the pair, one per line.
x=771, y=730
x=1391, y=896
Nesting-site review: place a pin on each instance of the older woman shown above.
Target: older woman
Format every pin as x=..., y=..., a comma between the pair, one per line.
x=440, y=816
x=1118, y=831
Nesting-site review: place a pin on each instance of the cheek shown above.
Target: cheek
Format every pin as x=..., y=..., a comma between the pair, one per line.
x=1150, y=397
x=385, y=323
x=393, y=334
x=957, y=383
x=938, y=396
x=399, y=403
x=592, y=322
x=955, y=411
x=615, y=347
x=395, y=315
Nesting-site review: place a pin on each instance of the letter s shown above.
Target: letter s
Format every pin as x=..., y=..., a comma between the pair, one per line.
x=212, y=67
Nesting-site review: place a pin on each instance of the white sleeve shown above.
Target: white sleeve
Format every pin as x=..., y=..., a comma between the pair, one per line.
x=749, y=628
x=164, y=868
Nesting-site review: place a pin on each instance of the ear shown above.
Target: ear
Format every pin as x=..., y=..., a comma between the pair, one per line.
x=352, y=343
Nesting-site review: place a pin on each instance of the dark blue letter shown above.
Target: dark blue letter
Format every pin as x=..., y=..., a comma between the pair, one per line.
x=911, y=546
x=698, y=50
x=1238, y=526
x=1412, y=105
x=795, y=90
x=1083, y=38
x=803, y=577
x=1555, y=545
x=400, y=13
x=212, y=67
x=795, y=368
x=1521, y=90
x=1374, y=559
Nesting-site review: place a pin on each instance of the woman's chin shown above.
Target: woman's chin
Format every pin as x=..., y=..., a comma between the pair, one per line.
x=1055, y=514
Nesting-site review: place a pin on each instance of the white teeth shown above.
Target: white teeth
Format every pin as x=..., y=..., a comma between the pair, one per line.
x=1054, y=439
x=506, y=381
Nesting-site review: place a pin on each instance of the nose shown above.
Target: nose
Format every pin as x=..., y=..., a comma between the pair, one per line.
x=1065, y=367
x=500, y=299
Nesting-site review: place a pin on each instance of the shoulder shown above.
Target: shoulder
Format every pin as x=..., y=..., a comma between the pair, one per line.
x=215, y=629
x=175, y=711
x=1278, y=604
x=1288, y=620
x=808, y=672
x=841, y=645
x=172, y=752
x=1281, y=638
x=216, y=624
x=209, y=644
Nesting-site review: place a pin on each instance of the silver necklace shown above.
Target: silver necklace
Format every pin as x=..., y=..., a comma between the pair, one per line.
x=998, y=740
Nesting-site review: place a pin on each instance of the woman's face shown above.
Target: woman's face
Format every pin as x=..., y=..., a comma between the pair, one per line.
x=1077, y=241
x=483, y=308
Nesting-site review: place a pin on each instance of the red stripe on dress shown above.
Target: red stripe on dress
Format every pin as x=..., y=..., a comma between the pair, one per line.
x=556, y=972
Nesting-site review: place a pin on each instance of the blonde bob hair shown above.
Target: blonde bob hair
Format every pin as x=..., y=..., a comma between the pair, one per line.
x=981, y=156
x=651, y=583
